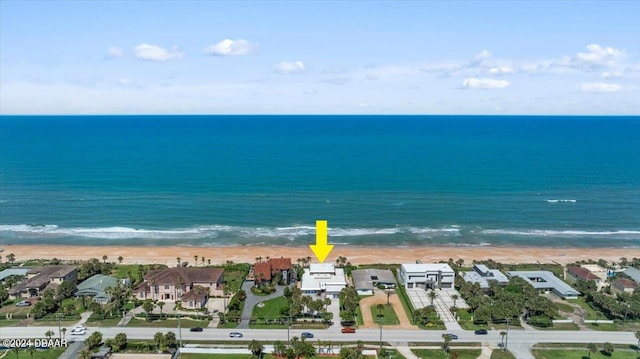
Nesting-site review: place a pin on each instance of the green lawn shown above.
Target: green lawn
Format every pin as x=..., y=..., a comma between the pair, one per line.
x=592, y=313
x=609, y=327
x=564, y=307
x=499, y=354
x=235, y=275
x=464, y=319
x=439, y=354
x=8, y=322
x=580, y=354
x=359, y=318
x=388, y=317
x=39, y=354
x=97, y=321
x=560, y=326
x=271, y=309
x=167, y=323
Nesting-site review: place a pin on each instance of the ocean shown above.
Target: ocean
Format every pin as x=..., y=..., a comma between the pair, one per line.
x=378, y=180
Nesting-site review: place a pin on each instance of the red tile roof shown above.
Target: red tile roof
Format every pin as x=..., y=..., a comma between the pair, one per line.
x=582, y=273
x=626, y=283
x=262, y=271
x=185, y=276
x=280, y=264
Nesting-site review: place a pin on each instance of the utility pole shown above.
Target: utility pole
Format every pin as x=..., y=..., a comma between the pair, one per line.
x=180, y=328
x=59, y=329
x=625, y=313
x=506, y=338
x=380, y=324
x=288, y=329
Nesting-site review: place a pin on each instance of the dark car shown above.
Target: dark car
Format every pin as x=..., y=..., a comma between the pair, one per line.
x=348, y=330
x=235, y=335
x=306, y=335
x=481, y=331
x=195, y=329
x=453, y=336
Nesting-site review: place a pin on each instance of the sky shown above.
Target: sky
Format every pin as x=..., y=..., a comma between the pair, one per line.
x=320, y=57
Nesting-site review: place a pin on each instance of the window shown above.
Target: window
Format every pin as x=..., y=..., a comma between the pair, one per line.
x=166, y=286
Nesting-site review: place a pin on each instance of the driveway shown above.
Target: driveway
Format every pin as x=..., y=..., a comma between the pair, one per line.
x=253, y=299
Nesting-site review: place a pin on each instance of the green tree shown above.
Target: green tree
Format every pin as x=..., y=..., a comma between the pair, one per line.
x=591, y=348
x=31, y=349
x=65, y=290
x=104, y=258
x=49, y=334
x=170, y=340
x=158, y=339
x=380, y=309
x=279, y=348
x=195, y=259
x=147, y=306
x=119, y=342
x=120, y=259
x=607, y=348
x=85, y=354
x=256, y=349
x=160, y=305
x=447, y=340
x=351, y=353
x=94, y=340
x=432, y=295
x=11, y=258
x=178, y=259
x=455, y=298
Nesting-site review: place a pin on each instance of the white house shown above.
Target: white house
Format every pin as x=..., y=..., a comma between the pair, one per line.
x=323, y=278
x=427, y=275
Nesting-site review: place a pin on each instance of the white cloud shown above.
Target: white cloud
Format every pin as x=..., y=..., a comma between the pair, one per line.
x=114, y=52
x=599, y=87
x=483, y=55
x=484, y=83
x=612, y=74
x=228, y=47
x=501, y=70
x=290, y=67
x=600, y=56
x=156, y=53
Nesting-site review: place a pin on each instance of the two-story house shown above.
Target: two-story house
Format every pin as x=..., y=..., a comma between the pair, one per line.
x=171, y=284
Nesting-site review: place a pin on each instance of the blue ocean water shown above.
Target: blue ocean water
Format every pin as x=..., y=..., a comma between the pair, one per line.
x=378, y=180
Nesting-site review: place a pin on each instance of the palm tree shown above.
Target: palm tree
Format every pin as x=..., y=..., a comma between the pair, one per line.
x=64, y=332
x=432, y=295
x=104, y=258
x=160, y=305
x=178, y=259
x=308, y=260
x=209, y=261
x=638, y=345
x=256, y=348
x=120, y=259
x=380, y=308
x=31, y=350
x=591, y=348
x=447, y=340
x=202, y=258
x=49, y=334
x=502, y=334
x=455, y=298
x=10, y=258
x=195, y=258
x=16, y=350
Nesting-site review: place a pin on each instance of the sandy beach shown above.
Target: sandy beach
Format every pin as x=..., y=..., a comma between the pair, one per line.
x=354, y=254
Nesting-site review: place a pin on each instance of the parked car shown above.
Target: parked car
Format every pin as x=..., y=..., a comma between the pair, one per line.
x=306, y=335
x=235, y=335
x=23, y=303
x=348, y=330
x=195, y=329
x=481, y=331
x=452, y=336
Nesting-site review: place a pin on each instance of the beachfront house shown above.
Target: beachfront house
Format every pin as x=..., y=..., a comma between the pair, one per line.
x=574, y=274
x=484, y=276
x=632, y=273
x=265, y=271
x=13, y=272
x=43, y=278
x=365, y=280
x=624, y=285
x=96, y=287
x=545, y=281
x=323, y=279
x=169, y=285
x=426, y=275
x=196, y=298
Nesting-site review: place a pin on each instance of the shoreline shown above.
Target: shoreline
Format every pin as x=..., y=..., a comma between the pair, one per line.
x=355, y=254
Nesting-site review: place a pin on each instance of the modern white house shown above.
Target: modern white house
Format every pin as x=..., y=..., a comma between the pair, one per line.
x=323, y=279
x=427, y=275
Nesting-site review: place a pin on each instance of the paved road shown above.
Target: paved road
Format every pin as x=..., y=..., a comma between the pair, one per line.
x=73, y=351
x=253, y=299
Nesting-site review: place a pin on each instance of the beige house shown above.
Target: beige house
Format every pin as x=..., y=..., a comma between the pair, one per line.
x=170, y=285
x=195, y=299
x=42, y=278
x=624, y=285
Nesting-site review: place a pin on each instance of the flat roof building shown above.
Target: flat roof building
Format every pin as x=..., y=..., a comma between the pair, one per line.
x=547, y=281
x=322, y=279
x=426, y=275
x=482, y=275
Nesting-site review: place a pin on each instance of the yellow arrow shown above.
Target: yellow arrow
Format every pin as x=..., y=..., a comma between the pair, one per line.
x=321, y=249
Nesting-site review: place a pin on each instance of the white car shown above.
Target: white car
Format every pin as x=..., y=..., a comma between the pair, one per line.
x=79, y=327
x=78, y=332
